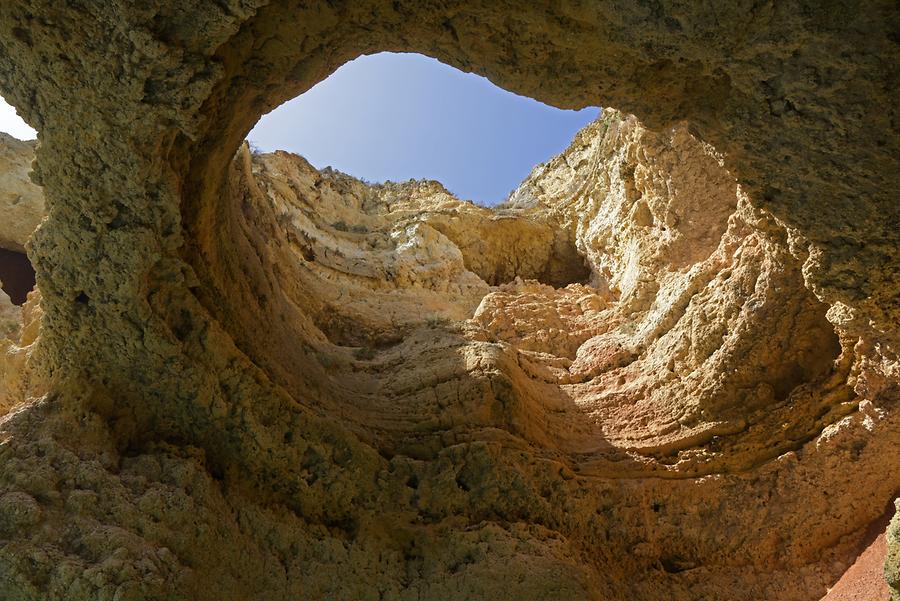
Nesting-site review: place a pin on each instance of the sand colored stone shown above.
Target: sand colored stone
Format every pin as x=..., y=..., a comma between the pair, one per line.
x=665, y=369
x=10, y=317
x=21, y=202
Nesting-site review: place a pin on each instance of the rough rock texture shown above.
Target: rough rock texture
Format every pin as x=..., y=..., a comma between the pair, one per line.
x=626, y=313
x=21, y=202
x=865, y=579
x=892, y=561
x=201, y=417
x=10, y=317
x=20, y=381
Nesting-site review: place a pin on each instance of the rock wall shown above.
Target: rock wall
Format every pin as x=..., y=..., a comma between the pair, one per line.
x=627, y=314
x=10, y=317
x=21, y=202
x=229, y=397
x=20, y=379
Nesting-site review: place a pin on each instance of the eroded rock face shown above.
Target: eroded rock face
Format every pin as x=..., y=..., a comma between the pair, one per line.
x=10, y=317
x=633, y=316
x=20, y=379
x=21, y=202
x=207, y=416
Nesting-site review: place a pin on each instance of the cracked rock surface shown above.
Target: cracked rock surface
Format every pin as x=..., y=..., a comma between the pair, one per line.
x=665, y=368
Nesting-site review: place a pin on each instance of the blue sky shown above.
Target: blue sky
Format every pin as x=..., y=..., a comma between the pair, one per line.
x=402, y=116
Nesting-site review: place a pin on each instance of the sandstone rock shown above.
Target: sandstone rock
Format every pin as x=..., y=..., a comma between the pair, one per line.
x=10, y=317
x=21, y=202
x=605, y=319
x=220, y=422
x=864, y=580
x=20, y=380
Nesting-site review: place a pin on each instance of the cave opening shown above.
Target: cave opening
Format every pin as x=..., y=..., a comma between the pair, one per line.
x=592, y=274
x=17, y=275
x=11, y=123
x=396, y=155
x=513, y=459
x=401, y=116
x=21, y=203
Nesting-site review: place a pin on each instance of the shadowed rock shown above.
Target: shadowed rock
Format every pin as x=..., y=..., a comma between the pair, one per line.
x=233, y=393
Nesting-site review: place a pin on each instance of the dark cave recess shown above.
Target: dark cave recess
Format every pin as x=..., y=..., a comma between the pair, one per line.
x=17, y=275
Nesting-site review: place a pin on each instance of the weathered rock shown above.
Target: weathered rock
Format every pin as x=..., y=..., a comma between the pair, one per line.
x=892, y=560
x=20, y=378
x=691, y=343
x=218, y=425
x=21, y=202
x=10, y=317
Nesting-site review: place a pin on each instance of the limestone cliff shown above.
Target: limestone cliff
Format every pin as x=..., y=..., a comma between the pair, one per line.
x=615, y=385
x=204, y=431
x=21, y=202
x=20, y=382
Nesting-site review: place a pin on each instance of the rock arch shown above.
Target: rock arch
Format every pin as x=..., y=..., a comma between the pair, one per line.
x=141, y=111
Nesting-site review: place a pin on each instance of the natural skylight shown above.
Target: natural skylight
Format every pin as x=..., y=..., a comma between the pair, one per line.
x=406, y=116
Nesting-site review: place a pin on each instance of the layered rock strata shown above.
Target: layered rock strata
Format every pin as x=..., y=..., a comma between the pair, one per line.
x=616, y=385
x=168, y=457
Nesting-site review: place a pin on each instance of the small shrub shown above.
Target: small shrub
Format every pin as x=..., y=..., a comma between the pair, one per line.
x=437, y=321
x=325, y=360
x=364, y=353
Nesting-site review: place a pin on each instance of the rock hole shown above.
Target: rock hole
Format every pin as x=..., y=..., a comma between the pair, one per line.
x=401, y=116
x=673, y=564
x=17, y=275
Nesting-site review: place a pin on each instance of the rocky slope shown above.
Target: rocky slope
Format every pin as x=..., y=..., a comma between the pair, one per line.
x=616, y=385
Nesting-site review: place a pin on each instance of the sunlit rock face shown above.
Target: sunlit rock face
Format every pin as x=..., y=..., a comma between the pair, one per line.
x=625, y=314
x=665, y=368
x=21, y=202
x=10, y=317
x=20, y=380
x=21, y=208
x=627, y=293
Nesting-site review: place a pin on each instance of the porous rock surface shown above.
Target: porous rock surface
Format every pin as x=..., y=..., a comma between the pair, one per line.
x=10, y=316
x=21, y=202
x=19, y=333
x=626, y=314
x=660, y=371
